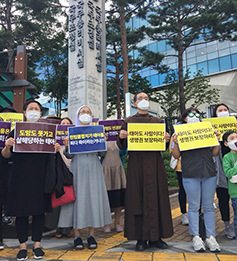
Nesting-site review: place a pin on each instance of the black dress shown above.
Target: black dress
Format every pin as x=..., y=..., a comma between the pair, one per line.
x=31, y=181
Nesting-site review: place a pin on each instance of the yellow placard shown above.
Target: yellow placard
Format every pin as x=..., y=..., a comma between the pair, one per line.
x=195, y=135
x=11, y=117
x=223, y=124
x=146, y=136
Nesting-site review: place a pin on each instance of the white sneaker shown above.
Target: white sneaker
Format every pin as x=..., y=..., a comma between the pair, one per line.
x=212, y=244
x=184, y=219
x=107, y=229
x=229, y=231
x=198, y=244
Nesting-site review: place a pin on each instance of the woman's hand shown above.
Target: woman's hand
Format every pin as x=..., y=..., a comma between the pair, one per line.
x=218, y=135
x=57, y=147
x=65, y=142
x=106, y=136
x=9, y=143
x=167, y=137
x=123, y=134
x=175, y=139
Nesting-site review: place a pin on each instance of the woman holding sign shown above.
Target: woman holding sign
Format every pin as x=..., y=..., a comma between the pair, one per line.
x=199, y=181
x=31, y=182
x=91, y=208
x=222, y=110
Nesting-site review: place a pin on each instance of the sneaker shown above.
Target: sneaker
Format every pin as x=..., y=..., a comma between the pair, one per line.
x=22, y=255
x=229, y=231
x=212, y=244
x=198, y=244
x=107, y=229
x=118, y=228
x=78, y=244
x=184, y=219
x=38, y=253
x=92, y=244
x=1, y=245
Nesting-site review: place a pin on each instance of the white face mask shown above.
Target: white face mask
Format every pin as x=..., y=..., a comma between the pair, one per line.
x=143, y=105
x=233, y=145
x=192, y=119
x=223, y=114
x=85, y=118
x=32, y=116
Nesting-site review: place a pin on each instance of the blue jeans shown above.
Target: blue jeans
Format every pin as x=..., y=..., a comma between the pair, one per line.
x=200, y=191
x=234, y=205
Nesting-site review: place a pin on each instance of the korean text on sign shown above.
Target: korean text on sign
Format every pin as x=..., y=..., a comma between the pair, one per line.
x=112, y=128
x=34, y=137
x=195, y=135
x=222, y=124
x=5, y=128
x=83, y=139
x=62, y=133
x=146, y=136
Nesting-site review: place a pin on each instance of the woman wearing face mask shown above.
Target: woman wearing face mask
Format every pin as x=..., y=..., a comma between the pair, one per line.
x=91, y=208
x=222, y=110
x=29, y=194
x=199, y=181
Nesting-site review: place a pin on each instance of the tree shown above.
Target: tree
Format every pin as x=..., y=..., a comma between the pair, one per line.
x=197, y=91
x=182, y=23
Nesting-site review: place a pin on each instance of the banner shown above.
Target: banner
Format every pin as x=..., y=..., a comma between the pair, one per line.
x=5, y=128
x=146, y=136
x=62, y=133
x=195, y=135
x=11, y=117
x=95, y=121
x=34, y=137
x=83, y=139
x=223, y=124
x=112, y=128
x=50, y=120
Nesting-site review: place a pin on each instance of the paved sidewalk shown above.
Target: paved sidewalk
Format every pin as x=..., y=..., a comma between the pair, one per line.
x=113, y=246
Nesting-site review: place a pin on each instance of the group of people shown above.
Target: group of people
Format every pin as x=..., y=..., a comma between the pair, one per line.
x=101, y=187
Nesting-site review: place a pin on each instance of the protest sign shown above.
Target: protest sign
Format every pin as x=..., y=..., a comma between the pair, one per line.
x=34, y=137
x=95, y=121
x=146, y=136
x=5, y=128
x=112, y=128
x=62, y=133
x=83, y=139
x=222, y=124
x=49, y=120
x=195, y=135
x=11, y=117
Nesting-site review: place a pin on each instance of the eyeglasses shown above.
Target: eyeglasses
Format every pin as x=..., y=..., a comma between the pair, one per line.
x=191, y=114
x=85, y=111
x=141, y=98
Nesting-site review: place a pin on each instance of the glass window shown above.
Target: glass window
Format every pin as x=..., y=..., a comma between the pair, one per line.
x=192, y=69
x=135, y=22
x=223, y=45
x=145, y=73
x=225, y=63
x=154, y=80
x=168, y=47
x=162, y=78
x=202, y=67
x=199, y=46
x=200, y=51
x=213, y=66
x=191, y=61
x=201, y=58
x=161, y=46
x=173, y=65
x=224, y=52
x=212, y=55
x=153, y=47
x=212, y=48
x=234, y=60
x=135, y=54
x=143, y=22
x=233, y=49
x=190, y=54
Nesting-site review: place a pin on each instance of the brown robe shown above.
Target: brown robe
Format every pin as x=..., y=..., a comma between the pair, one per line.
x=147, y=206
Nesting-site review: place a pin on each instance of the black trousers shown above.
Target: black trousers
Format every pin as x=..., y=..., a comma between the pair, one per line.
x=1, y=236
x=182, y=193
x=22, y=227
x=224, y=198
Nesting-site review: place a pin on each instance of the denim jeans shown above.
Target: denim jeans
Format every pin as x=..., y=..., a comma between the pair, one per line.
x=200, y=191
x=234, y=205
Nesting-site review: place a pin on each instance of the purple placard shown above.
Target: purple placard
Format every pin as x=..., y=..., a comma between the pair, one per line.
x=95, y=121
x=34, y=137
x=5, y=128
x=62, y=132
x=112, y=128
x=49, y=120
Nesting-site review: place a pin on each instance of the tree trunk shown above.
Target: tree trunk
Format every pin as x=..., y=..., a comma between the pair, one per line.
x=180, y=68
x=124, y=53
x=118, y=101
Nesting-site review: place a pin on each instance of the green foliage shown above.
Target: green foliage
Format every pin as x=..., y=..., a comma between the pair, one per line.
x=171, y=174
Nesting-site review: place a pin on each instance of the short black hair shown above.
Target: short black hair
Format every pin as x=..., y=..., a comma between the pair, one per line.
x=186, y=112
x=66, y=118
x=135, y=96
x=29, y=102
x=227, y=134
x=218, y=105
